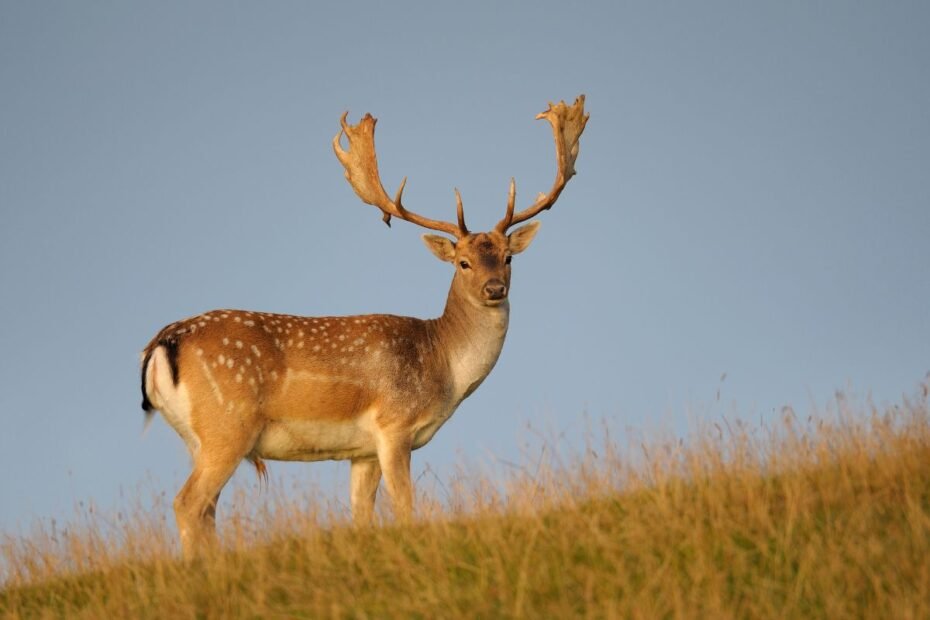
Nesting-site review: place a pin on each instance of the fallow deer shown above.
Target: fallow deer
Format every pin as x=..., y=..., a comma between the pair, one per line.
x=241, y=385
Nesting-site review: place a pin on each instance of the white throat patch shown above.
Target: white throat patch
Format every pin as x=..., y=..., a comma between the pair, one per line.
x=472, y=361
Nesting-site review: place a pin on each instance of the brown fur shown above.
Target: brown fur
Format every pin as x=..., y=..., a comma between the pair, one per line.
x=252, y=376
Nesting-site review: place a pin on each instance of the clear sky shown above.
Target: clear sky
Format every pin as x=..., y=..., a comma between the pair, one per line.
x=752, y=198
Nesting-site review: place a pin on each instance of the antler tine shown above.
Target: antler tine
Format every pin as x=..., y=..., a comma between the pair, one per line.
x=568, y=123
x=511, y=200
x=460, y=212
x=361, y=170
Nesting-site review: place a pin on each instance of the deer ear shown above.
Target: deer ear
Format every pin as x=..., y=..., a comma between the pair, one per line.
x=520, y=239
x=442, y=248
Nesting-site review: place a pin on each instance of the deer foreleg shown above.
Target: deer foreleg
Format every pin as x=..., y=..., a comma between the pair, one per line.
x=394, y=457
x=365, y=476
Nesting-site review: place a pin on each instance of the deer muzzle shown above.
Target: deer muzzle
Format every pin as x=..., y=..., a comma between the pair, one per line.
x=495, y=290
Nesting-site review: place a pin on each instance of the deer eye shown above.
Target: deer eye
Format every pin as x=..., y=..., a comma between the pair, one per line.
x=508, y=259
x=464, y=264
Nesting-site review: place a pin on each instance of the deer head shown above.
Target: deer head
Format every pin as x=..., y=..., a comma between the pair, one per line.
x=481, y=260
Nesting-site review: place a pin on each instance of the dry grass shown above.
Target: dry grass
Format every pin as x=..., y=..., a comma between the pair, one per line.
x=828, y=518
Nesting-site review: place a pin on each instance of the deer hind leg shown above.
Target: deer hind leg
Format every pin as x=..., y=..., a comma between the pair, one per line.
x=394, y=457
x=195, y=504
x=365, y=476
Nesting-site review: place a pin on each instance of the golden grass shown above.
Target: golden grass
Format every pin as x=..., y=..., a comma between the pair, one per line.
x=821, y=518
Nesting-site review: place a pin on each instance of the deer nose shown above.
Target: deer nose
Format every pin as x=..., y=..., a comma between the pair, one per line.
x=495, y=289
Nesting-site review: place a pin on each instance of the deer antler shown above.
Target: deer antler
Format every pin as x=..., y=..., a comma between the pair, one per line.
x=567, y=124
x=361, y=164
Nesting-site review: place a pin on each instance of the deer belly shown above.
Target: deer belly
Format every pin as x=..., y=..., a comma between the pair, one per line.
x=317, y=440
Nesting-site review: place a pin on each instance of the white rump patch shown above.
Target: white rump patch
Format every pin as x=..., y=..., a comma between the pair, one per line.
x=172, y=400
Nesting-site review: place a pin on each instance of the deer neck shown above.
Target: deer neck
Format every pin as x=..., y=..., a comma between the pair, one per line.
x=471, y=336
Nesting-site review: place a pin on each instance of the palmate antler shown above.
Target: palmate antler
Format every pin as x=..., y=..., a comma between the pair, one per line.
x=361, y=164
x=567, y=124
x=361, y=169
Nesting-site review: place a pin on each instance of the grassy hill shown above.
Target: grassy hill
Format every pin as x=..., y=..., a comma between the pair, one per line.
x=816, y=518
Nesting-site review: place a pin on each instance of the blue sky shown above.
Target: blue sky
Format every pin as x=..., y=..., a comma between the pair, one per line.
x=752, y=198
